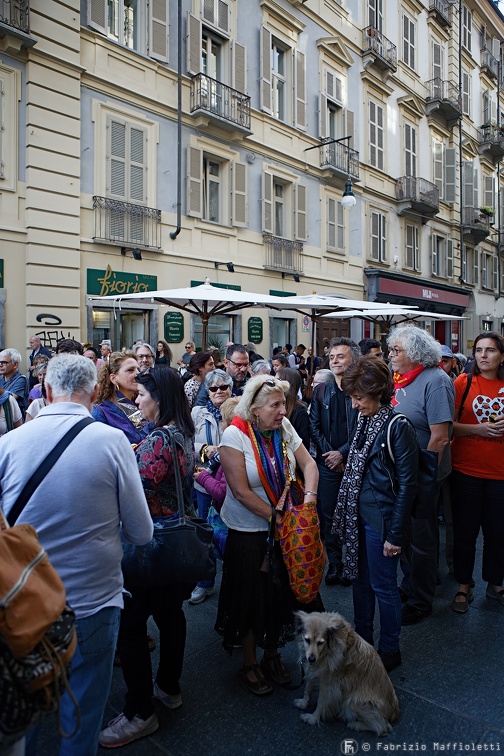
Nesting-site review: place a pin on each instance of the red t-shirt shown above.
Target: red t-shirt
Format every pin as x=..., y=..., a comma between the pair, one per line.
x=475, y=455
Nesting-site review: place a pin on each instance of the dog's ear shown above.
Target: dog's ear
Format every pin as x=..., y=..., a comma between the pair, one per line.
x=299, y=618
x=331, y=632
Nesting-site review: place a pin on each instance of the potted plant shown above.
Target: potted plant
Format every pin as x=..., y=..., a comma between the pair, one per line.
x=488, y=211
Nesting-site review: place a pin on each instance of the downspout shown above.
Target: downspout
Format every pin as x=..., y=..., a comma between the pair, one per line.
x=461, y=159
x=499, y=190
x=174, y=234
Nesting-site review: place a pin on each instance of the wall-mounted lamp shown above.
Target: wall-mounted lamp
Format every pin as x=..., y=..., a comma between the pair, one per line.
x=295, y=276
x=348, y=199
x=137, y=254
x=229, y=266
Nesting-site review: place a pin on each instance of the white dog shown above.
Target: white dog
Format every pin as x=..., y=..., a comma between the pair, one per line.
x=353, y=683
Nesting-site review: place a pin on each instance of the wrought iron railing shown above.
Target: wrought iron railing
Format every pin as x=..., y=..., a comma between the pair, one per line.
x=340, y=157
x=220, y=100
x=412, y=189
x=441, y=7
x=376, y=42
x=493, y=135
x=16, y=13
x=127, y=223
x=490, y=62
x=472, y=217
x=283, y=254
x=438, y=89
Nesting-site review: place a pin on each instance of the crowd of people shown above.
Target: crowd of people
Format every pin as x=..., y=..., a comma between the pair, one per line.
x=389, y=444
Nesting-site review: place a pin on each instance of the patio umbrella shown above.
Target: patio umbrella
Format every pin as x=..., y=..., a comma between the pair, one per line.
x=388, y=316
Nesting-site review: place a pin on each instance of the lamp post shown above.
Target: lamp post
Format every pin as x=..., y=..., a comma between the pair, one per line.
x=348, y=199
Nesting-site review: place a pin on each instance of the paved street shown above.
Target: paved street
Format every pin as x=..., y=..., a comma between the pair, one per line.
x=449, y=688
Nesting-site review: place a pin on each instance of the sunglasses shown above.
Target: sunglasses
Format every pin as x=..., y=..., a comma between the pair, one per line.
x=271, y=383
x=214, y=389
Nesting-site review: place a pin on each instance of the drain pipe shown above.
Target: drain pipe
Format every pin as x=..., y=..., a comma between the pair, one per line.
x=174, y=234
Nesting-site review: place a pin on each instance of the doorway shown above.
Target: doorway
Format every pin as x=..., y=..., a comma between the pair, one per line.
x=123, y=330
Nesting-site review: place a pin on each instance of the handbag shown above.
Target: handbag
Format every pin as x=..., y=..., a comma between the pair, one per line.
x=37, y=627
x=180, y=551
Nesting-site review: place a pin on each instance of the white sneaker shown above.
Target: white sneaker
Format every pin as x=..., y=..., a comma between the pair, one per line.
x=168, y=700
x=199, y=594
x=121, y=731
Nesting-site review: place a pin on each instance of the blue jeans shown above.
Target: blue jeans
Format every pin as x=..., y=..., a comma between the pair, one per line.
x=204, y=500
x=377, y=580
x=90, y=682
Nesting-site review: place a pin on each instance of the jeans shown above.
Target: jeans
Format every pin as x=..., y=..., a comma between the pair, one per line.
x=419, y=582
x=377, y=580
x=328, y=487
x=204, y=501
x=90, y=683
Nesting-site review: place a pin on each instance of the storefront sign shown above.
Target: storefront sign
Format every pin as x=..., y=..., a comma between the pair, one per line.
x=422, y=292
x=174, y=327
x=274, y=293
x=1, y=275
x=255, y=330
x=108, y=282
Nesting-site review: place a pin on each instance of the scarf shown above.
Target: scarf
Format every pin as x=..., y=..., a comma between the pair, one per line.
x=214, y=411
x=120, y=416
x=346, y=514
x=272, y=476
x=401, y=381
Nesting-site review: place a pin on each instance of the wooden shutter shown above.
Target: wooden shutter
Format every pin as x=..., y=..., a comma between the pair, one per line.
x=437, y=61
x=434, y=255
x=267, y=203
x=195, y=182
x=377, y=236
x=476, y=202
x=300, y=213
x=449, y=258
x=466, y=93
x=450, y=173
x=489, y=191
x=137, y=164
x=437, y=166
x=239, y=66
x=193, y=44
x=468, y=185
x=239, y=194
x=495, y=273
x=97, y=15
x=158, y=25
x=375, y=14
x=409, y=260
x=265, y=53
x=475, y=278
x=410, y=150
x=408, y=41
x=300, y=90
x=376, y=135
x=323, y=113
x=116, y=183
x=333, y=87
x=331, y=223
x=341, y=226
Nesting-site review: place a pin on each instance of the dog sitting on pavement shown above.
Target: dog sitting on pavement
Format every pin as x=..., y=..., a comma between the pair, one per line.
x=353, y=684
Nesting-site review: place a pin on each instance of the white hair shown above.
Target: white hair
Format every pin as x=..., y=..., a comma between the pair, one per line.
x=69, y=374
x=420, y=346
x=256, y=393
x=13, y=354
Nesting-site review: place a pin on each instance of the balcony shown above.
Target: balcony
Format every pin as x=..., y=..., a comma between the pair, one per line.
x=476, y=224
x=443, y=98
x=16, y=14
x=340, y=160
x=417, y=196
x=492, y=141
x=284, y=255
x=489, y=64
x=220, y=104
x=440, y=10
x=122, y=223
x=378, y=50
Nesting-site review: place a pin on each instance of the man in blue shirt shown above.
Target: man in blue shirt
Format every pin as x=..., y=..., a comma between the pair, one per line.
x=12, y=380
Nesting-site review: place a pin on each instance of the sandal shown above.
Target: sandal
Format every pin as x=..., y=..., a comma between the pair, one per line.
x=259, y=686
x=274, y=669
x=462, y=606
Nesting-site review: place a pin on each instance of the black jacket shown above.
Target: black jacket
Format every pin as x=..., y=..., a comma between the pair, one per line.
x=323, y=413
x=389, y=488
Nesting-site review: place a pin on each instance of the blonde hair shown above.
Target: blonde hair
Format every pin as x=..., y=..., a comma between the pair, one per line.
x=228, y=409
x=255, y=394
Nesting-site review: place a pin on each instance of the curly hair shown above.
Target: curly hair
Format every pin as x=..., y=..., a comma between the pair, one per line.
x=421, y=348
x=105, y=386
x=369, y=376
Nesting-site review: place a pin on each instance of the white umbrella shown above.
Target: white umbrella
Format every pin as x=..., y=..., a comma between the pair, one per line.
x=387, y=316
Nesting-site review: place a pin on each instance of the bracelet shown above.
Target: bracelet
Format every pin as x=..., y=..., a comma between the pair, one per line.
x=270, y=518
x=313, y=493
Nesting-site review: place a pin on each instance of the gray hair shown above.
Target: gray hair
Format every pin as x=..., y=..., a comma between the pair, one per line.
x=220, y=377
x=461, y=359
x=421, y=348
x=69, y=374
x=255, y=395
x=144, y=344
x=260, y=367
x=13, y=354
x=344, y=341
x=327, y=376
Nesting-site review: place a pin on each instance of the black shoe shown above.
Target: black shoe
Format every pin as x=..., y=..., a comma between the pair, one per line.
x=345, y=582
x=390, y=659
x=411, y=615
x=332, y=577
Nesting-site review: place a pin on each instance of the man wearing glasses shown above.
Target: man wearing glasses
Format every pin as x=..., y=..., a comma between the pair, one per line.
x=145, y=355
x=236, y=364
x=12, y=380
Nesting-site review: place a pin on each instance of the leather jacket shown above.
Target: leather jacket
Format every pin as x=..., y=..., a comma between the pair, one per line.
x=323, y=415
x=390, y=486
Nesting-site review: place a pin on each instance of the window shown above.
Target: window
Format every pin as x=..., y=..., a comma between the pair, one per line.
x=469, y=272
x=409, y=34
x=489, y=271
x=335, y=226
x=283, y=207
x=437, y=64
x=442, y=256
x=470, y=185
x=279, y=80
x=444, y=169
x=376, y=134
x=331, y=114
x=283, y=80
x=378, y=237
x=410, y=156
x=8, y=129
x=466, y=93
x=437, y=166
x=216, y=187
x=375, y=14
x=411, y=258
x=466, y=28
x=489, y=192
x=135, y=24
x=127, y=165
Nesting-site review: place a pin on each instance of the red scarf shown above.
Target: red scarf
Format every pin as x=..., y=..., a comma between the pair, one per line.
x=400, y=381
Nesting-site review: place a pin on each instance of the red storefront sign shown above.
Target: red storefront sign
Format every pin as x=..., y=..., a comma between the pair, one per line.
x=421, y=292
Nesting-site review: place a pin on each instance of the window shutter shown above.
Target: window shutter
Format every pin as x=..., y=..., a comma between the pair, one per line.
x=410, y=256
x=341, y=226
x=376, y=236
x=488, y=191
x=375, y=14
x=475, y=266
x=239, y=194
x=463, y=265
x=349, y=126
x=466, y=93
x=483, y=37
x=437, y=61
x=239, y=66
x=496, y=48
x=323, y=130
x=97, y=15
x=193, y=44
x=158, y=37
x=410, y=150
x=468, y=187
x=333, y=87
x=383, y=238
x=137, y=164
x=484, y=270
x=476, y=203
x=434, y=255
x=267, y=203
x=380, y=144
x=437, y=165
x=300, y=219
x=495, y=274
x=116, y=184
x=222, y=20
x=450, y=161
x=331, y=223
x=449, y=258
x=266, y=70
x=194, y=182
x=300, y=91
x=376, y=135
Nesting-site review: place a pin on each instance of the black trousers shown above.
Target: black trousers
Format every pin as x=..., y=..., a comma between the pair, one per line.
x=328, y=488
x=419, y=581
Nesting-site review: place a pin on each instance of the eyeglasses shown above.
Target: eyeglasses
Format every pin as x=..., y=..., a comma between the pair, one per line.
x=141, y=357
x=271, y=383
x=239, y=365
x=396, y=351
x=214, y=389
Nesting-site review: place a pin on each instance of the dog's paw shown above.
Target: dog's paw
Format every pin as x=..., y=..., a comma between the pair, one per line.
x=300, y=703
x=310, y=719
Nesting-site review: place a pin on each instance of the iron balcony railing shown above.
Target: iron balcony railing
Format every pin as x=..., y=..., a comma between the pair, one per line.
x=492, y=135
x=490, y=63
x=283, y=254
x=442, y=8
x=472, y=217
x=340, y=157
x=417, y=190
x=126, y=223
x=16, y=13
x=438, y=89
x=222, y=101
x=376, y=42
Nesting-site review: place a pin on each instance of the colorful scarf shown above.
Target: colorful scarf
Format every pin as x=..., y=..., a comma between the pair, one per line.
x=272, y=476
x=400, y=381
x=346, y=514
x=124, y=415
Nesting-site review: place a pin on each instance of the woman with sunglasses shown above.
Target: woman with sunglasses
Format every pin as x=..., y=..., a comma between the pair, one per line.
x=254, y=451
x=208, y=431
x=162, y=402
